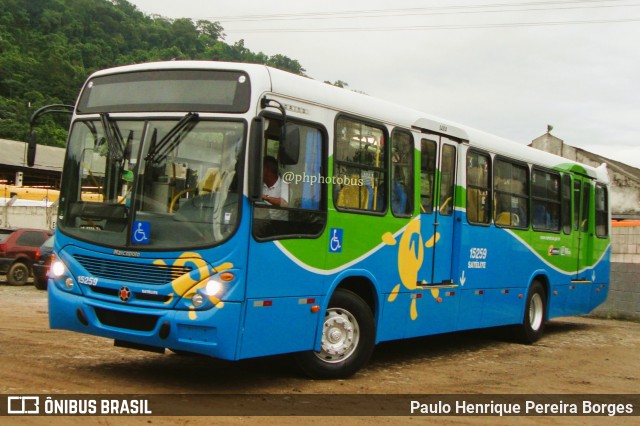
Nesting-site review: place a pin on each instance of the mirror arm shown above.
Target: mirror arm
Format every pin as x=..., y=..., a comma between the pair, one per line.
x=33, y=137
x=268, y=103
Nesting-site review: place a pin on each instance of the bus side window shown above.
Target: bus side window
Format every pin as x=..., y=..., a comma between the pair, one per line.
x=301, y=213
x=566, y=204
x=447, y=179
x=427, y=174
x=545, y=193
x=478, y=188
x=602, y=212
x=586, y=202
x=402, y=173
x=576, y=204
x=511, y=183
x=360, y=166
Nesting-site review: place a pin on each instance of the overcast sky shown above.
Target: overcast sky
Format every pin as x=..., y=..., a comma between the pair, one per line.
x=508, y=67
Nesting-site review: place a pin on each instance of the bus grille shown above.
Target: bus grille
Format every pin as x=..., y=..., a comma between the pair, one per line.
x=138, y=322
x=131, y=272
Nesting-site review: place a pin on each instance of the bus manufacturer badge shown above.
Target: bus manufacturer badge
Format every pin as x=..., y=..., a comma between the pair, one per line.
x=124, y=293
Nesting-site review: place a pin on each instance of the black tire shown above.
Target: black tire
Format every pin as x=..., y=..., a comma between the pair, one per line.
x=18, y=274
x=180, y=352
x=535, y=314
x=348, y=339
x=41, y=283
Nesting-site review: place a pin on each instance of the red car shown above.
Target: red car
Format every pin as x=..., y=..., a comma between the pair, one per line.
x=19, y=248
x=42, y=264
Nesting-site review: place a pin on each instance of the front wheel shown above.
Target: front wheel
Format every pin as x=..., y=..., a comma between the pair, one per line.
x=41, y=283
x=348, y=339
x=534, y=314
x=18, y=274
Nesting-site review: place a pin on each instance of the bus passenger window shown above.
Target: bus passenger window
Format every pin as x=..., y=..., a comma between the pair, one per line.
x=478, y=189
x=510, y=184
x=359, y=172
x=586, y=202
x=602, y=212
x=577, y=191
x=545, y=188
x=566, y=204
x=402, y=173
x=447, y=179
x=427, y=174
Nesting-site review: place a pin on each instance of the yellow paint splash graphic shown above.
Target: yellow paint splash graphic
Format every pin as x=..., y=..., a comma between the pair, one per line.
x=394, y=293
x=413, y=311
x=433, y=240
x=389, y=239
x=187, y=285
x=410, y=259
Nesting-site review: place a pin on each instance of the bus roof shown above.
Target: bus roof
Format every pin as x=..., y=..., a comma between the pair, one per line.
x=267, y=79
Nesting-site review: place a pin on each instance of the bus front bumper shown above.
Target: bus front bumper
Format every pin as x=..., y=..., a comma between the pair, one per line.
x=212, y=332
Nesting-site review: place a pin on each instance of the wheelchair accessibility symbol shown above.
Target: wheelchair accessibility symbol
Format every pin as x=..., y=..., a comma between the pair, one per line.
x=141, y=232
x=335, y=241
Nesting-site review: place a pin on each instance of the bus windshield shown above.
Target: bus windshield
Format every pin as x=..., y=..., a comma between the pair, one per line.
x=152, y=184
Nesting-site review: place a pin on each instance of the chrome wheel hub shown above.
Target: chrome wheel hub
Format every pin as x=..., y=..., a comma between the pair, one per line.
x=340, y=336
x=536, y=312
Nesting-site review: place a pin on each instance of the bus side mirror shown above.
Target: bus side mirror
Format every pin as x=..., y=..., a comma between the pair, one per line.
x=290, y=145
x=31, y=148
x=255, y=159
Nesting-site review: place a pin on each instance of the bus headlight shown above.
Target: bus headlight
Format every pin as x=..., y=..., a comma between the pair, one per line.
x=58, y=269
x=197, y=300
x=214, y=288
x=68, y=283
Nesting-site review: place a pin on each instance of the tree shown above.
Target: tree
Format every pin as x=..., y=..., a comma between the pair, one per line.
x=49, y=47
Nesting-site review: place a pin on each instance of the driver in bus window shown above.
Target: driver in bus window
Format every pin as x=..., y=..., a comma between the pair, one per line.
x=275, y=191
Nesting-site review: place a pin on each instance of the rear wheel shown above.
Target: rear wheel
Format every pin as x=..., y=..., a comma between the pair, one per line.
x=18, y=274
x=348, y=339
x=535, y=314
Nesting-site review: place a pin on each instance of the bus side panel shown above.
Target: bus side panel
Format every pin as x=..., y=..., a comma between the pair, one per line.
x=578, y=298
x=471, y=307
x=395, y=316
x=502, y=306
x=272, y=273
x=280, y=295
x=279, y=325
x=557, y=301
x=419, y=313
x=441, y=310
x=598, y=295
x=602, y=279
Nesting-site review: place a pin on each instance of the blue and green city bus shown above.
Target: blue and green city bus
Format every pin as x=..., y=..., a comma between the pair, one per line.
x=391, y=223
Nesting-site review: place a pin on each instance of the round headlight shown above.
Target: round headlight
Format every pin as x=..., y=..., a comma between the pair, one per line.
x=214, y=288
x=197, y=300
x=58, y=269
x=68, y=283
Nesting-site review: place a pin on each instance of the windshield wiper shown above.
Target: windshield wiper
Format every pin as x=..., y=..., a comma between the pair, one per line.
x=113, y=137
x=158, y=152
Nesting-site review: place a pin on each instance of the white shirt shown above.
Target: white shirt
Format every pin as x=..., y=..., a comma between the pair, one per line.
x=280, y=189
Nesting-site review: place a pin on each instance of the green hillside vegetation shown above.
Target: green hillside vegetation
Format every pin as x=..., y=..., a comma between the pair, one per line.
x=49, y=47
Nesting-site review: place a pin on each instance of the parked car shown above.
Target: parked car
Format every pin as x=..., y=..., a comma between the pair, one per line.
x=18, y=251
x=42, y=264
